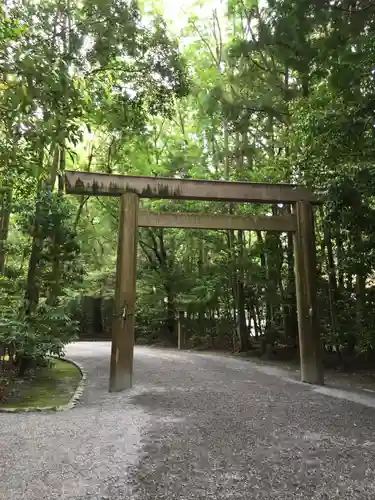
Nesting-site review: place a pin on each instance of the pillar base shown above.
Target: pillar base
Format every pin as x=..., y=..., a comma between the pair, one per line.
x=121, y=382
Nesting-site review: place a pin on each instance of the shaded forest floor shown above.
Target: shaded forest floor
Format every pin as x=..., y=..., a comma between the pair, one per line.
x=355, y=379
x=345, y=377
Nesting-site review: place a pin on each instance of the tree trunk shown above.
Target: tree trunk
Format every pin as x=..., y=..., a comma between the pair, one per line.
x=202, y=305
x=54, y=290
x=340, y=261
x=331, y=272
x=263, y=263
x=6, y=200
x=242, y=332
x=44, y=189
x=290, y=304
x=32, y=291
x=171, y=311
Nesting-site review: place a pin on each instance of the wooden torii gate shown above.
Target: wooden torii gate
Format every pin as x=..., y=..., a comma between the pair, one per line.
x=131, y=188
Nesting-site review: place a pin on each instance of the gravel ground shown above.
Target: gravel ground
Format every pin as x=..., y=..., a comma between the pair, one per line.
x=195, y=426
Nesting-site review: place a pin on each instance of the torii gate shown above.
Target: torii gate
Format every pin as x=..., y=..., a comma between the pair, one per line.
x=131, y=188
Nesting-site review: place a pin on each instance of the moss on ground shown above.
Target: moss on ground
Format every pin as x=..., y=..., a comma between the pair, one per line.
x=52, y=385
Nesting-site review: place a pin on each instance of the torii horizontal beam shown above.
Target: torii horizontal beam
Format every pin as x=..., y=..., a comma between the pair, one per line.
x=98, y=184
x=281, y=223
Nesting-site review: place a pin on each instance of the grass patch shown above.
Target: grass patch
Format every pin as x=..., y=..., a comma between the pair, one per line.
x=52, y=385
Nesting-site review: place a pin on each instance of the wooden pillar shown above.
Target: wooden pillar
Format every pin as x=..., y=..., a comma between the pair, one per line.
x=181, y=332
x=123, y=322
x=311, y=354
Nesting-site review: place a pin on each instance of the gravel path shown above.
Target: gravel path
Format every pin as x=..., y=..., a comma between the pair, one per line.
x=194, y=427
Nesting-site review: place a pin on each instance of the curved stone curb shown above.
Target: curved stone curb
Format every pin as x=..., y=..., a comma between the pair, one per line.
x=78, y=393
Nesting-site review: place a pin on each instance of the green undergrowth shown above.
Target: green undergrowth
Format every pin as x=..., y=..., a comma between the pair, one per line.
x=49, y=386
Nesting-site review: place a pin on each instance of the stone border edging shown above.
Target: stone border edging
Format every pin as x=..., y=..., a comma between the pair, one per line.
x=78, y=393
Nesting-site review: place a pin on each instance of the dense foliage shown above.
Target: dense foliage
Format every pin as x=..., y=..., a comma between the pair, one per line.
x=281, y=91
x=69, y=72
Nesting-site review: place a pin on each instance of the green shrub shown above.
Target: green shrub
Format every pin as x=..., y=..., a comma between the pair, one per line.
x=31, y=338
